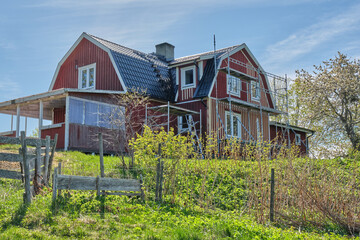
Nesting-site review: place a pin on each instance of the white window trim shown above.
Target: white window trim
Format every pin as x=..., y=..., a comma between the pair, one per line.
x=237, y=115
x=87, y=67
x=227, y=86
x=297, y=139
x=183, y=70
x=180, y=124
x=255, y=98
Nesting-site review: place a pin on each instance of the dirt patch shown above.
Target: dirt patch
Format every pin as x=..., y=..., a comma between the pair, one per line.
x=10, y=165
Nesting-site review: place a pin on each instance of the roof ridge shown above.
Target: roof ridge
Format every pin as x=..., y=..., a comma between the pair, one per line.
x=134, y=50
x=221, y=49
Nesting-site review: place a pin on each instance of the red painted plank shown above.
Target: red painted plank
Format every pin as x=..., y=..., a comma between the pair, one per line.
x=84, y=54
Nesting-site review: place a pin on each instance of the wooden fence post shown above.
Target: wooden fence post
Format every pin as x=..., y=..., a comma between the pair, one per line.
x=101, y=153
x=26, y=168
x=161, y=180
x=272, y=195
x=36, y=180
x=98, y=185
x=158, y=172
x=46, y=164
x=59, y=173
x=54, y=186
x=52, y=156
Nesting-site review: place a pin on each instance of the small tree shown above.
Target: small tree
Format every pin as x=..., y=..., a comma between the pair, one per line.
x=126, y=120
x=328, y=100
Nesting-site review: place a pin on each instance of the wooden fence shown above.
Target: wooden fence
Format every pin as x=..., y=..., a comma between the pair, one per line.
x=127, y=187
x=35, y=163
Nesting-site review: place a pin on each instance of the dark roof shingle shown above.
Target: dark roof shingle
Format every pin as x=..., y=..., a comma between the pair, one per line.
x=151, y=73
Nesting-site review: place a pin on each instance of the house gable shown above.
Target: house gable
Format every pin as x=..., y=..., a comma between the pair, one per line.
x=244, y=64
x=86, y=51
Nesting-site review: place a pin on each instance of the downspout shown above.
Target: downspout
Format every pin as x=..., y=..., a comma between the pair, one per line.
x=307, y=142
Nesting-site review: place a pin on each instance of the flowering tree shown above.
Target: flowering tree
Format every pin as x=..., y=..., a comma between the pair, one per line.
x=328, y=100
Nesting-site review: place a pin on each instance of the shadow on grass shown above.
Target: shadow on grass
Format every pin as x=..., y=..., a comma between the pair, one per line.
x=17, y=218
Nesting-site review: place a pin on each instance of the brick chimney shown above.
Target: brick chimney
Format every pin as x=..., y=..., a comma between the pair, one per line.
x=165, y=50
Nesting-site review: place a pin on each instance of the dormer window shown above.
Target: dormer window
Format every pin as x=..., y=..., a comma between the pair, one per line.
x=188, y=77
x=87, y=76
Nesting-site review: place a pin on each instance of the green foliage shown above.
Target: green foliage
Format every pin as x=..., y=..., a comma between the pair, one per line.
x=203, y=198
x=327, y=100
x=78, y=218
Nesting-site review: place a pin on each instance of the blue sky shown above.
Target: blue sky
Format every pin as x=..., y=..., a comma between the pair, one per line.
x=284, y=35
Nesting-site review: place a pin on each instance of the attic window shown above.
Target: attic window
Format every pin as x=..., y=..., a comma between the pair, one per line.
x=188, y=77
x=233, y=85
x=87, y=76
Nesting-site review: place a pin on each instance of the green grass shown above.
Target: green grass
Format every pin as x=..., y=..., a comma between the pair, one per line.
x=78, y=217
x=78, y=213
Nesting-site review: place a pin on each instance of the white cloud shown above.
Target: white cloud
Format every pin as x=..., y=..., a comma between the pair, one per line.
x=306, y=40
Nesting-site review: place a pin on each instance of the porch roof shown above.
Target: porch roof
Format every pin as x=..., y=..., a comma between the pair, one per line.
x=30, y=107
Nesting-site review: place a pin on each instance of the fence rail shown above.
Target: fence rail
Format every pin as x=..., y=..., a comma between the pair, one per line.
x=34, y=166
x=126, y=187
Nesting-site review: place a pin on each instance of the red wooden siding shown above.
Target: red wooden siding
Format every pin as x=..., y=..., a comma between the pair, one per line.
x=246, y=115
x=84, y=54
x=269, y=101
x=59, y=115
x=280, y=135
x=61, y=135
x=245, y=95
x=85, y=138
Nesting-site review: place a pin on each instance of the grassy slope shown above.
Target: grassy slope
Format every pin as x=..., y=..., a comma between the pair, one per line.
x=78, y=215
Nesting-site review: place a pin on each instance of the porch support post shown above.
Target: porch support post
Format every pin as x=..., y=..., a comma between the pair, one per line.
x=40, y=117
x=25, y=125
x=12, y=122
x=17, y=120
x=66, y=140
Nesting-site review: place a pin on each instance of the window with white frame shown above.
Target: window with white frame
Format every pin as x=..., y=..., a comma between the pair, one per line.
x=255, y=90
x=183, y=124
x=188, y=77
x=297, y=139
x=233, y=124
x=87, y=76
x=233, y=85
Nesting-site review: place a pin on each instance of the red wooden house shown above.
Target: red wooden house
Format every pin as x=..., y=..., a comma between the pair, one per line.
x=225, y=90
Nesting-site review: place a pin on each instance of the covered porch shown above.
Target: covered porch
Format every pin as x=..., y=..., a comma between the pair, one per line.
x=71, y=112
x=41, y=107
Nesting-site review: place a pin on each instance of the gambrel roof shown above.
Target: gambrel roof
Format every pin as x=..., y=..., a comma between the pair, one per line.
x=150, y=72
x=140, y=70
x=135, y=69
